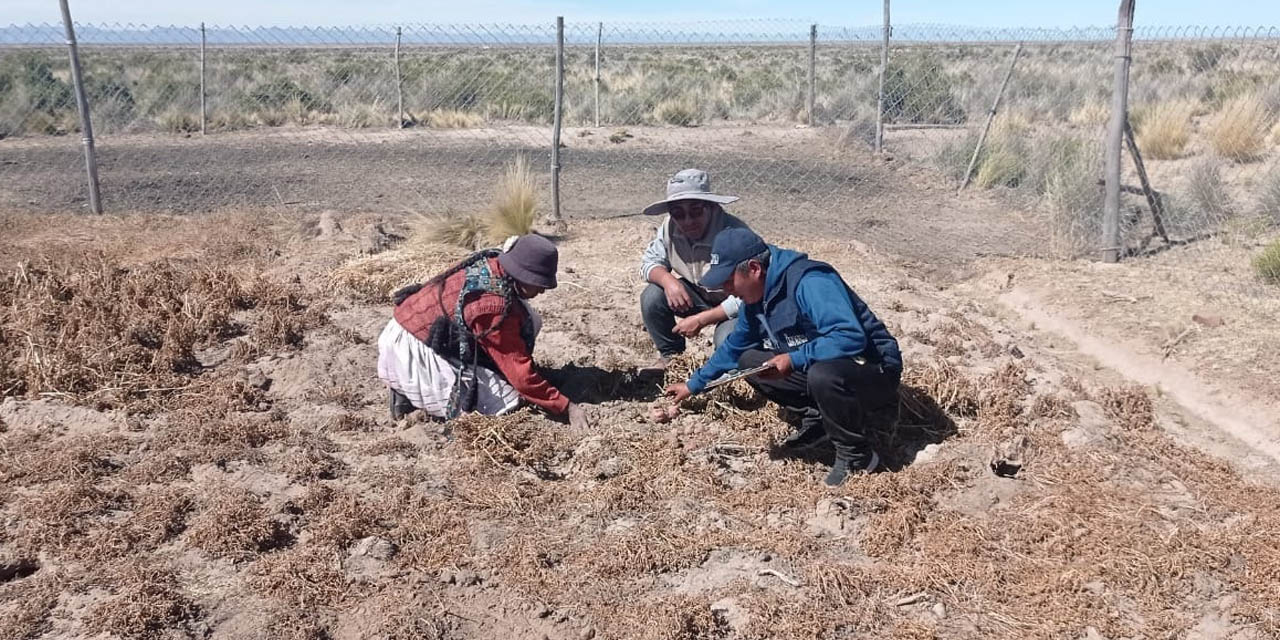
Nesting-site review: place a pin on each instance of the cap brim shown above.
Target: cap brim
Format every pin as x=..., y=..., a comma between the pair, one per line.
x=716, y=276
x=660, y=206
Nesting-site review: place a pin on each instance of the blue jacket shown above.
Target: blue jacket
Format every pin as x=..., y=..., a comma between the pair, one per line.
x=807, y=311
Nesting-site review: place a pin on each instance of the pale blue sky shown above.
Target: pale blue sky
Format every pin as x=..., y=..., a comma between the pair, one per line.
x=987, y=13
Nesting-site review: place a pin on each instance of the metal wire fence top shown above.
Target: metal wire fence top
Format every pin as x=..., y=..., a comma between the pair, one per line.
x=404, y=108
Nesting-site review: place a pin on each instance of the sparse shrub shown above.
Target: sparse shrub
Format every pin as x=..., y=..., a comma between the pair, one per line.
x=683, y=111
x=364, y=115
x=451, y=119
x=1239, y=131
x=1071, y=168
x=1269, y=199
x=1267, y=263
x=918, y=90
x=1165, y=131
x=515, y=202
x=1091, y=113
x=178, y=121
x=1208, y=195
x=1003, y=162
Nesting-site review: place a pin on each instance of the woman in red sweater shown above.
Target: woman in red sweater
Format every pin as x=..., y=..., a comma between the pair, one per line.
x=463, y=341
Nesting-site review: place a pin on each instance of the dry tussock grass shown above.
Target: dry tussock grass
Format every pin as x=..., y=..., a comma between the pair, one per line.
x=344, y=518
x=61, y=513
x=1130, y=406
x=1166, y=130
x=954, y=392
x=514, y=202
x=450, y=119
x=1239, y=131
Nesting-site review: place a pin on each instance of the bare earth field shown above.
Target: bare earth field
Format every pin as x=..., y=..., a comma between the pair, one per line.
x=193, y=444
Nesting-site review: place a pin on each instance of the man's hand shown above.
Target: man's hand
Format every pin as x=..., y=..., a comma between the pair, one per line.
x=677, y=296
x=690, y=326
x=578, y=417
x=679, y=392
x=782, y=367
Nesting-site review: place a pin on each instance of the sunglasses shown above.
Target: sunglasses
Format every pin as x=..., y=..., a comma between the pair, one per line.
x=687, y=212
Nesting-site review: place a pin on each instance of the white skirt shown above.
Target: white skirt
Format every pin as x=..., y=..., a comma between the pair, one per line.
x=409, y=366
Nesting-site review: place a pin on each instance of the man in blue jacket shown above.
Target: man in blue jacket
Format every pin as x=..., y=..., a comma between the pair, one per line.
x=833, y=362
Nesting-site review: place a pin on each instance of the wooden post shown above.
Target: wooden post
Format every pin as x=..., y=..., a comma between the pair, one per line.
x=82, y=103
x=1115, y=133
x=555, y=130
x=884, y=67
x=1153, y=198
x=204, y=117
x=995, y=106
x=813, y=46
x=599, y=38
x=399, y=85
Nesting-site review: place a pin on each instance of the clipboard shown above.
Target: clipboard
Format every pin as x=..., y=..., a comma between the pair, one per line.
x=737, y=375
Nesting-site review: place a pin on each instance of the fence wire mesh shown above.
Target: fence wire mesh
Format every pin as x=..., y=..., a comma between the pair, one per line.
x=422, y=117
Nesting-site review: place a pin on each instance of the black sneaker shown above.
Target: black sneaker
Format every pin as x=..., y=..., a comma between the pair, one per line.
x=806, y=435
x=843, y=468
x=399, y=404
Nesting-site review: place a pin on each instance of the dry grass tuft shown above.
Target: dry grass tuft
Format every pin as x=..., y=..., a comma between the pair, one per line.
x=451, y=119
x=514, y=203
x=1239, y=131
x=954, y=392
x=25, y=605
x=148, y=601
x=1091, y=113
x=1052, y=406
x=1267, y=263
x=1130, y=406
x=344, y=519
x=516, y=439
x=157, y=516
x=1165, y=131
x=468, y=230
x=374, y=278
x=430, y=533
x=306, y=576
x=103, y=333
x=231, y=521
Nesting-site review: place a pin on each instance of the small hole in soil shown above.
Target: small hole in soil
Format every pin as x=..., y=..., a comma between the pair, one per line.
x=18, y=570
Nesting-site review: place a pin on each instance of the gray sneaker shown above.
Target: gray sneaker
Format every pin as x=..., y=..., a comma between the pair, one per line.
x=657, y=367
x=843, y=468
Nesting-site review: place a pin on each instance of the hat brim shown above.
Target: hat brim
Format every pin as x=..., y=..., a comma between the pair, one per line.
x=717, y=275
x=660, y=206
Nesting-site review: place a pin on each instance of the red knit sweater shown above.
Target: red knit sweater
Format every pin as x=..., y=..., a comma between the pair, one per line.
x=482, y=312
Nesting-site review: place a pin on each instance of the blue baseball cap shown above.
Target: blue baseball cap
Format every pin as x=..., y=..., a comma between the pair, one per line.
x=731, y=248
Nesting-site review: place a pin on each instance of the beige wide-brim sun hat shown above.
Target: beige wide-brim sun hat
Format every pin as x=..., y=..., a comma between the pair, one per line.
x=689, y=184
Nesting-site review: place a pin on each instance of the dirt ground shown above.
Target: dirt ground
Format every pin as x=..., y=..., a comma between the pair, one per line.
x=193, y=443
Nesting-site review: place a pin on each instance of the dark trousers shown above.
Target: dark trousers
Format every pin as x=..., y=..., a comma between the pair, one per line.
x=844, y=397
x=660, y=319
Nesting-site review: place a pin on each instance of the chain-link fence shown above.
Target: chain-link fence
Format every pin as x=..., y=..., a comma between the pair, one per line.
x=422, y=117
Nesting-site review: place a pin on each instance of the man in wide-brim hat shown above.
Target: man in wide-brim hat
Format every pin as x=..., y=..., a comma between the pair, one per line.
x=675, y=305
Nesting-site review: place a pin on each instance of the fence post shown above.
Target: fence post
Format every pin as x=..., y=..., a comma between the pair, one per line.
x=555, y=130
x=599, y=38
x=399, y=85
x=204, y=119
x=1115, y=134
x=82, y=103
x=884, y=65
x=995, y=106
x=813, y=45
